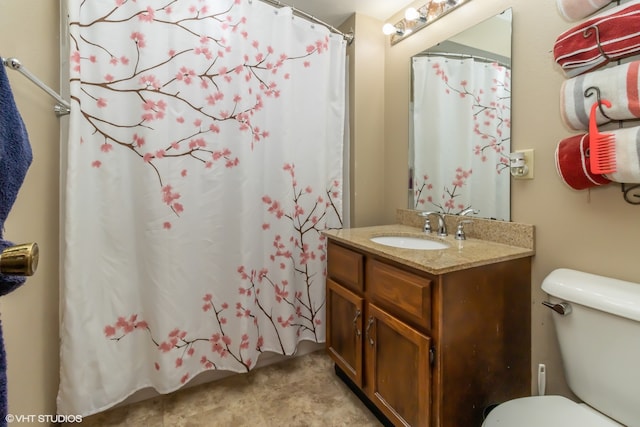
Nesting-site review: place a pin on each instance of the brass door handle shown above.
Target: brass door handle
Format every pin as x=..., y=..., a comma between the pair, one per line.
x=19, y=260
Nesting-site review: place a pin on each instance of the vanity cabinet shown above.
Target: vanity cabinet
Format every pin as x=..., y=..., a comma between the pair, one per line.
x=429, y=349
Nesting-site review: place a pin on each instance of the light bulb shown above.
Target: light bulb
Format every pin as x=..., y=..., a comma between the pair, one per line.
x=389, y=29
x=411, y=14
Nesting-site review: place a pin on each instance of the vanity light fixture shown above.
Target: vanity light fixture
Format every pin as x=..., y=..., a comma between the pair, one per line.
x=389, y=29
x=416, y=19
x=412, y=14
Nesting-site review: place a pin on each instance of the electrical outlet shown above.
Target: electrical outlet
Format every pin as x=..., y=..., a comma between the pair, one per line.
x=529, y=161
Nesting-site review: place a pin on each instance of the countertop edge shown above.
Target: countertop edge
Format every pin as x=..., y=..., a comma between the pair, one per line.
x=437, y=262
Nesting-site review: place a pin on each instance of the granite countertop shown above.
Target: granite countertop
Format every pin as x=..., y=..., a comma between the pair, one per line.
x=461, y=254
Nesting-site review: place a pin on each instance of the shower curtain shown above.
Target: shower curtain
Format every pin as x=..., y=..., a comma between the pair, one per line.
x=204, y=160
x=461, y=124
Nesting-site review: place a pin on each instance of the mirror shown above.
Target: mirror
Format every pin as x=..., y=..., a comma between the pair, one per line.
x=460, y=122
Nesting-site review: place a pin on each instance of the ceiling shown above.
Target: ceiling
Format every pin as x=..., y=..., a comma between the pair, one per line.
x=335, y=12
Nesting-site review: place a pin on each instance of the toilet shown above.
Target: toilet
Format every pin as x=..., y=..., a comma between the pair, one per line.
x=599, y=338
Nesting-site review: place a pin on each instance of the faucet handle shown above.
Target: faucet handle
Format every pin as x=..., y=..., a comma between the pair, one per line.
x=427, y=224
x=460, y=231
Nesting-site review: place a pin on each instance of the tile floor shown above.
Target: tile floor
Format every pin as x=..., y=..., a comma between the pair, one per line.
x=301, y=392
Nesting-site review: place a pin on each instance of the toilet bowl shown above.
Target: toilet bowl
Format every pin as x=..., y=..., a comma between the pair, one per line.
x=597, y=320
x=546, y=411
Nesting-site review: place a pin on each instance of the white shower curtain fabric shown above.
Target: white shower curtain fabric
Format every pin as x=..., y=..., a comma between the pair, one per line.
x=462, y=134
x=204, y=161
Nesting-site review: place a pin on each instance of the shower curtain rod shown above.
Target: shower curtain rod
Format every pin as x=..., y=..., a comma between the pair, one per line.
x=347, y=36
x=62, y=108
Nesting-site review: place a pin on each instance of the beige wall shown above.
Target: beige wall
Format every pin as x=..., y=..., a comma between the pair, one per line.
x=596, y=232
x=30, y=314
x=366, y=111
x=593, y=232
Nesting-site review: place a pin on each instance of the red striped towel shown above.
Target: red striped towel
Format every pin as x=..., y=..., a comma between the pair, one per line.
x=620, y=85
x=573, y=10
x=618, y=30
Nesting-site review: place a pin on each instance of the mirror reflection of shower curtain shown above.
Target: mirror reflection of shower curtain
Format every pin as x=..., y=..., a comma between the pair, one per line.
x=204, y=161
x=461, y=124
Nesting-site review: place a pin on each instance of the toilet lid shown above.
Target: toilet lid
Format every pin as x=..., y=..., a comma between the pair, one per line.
x=547, y=411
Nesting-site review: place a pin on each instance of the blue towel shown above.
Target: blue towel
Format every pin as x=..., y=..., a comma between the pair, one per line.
x=15, y=158
x=15, y=150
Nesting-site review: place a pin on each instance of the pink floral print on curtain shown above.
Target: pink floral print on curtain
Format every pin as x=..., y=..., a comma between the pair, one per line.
x=204, y=161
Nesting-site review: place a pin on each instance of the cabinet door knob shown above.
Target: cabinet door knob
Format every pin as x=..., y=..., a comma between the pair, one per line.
x=355, y=323
x=369, y=324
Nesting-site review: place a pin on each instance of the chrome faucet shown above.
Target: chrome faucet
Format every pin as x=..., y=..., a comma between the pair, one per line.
x=460, y=231
x=427, y=224
x=442, y=227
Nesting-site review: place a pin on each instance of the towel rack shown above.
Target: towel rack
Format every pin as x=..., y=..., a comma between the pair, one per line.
x=62, y=108
x=631, y=193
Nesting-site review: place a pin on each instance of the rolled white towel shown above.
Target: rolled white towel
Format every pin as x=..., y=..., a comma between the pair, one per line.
x=573, y=10
x=620, y=85
x=627, y=148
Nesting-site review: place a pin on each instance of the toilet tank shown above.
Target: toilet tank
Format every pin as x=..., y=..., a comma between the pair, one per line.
x=600, y=340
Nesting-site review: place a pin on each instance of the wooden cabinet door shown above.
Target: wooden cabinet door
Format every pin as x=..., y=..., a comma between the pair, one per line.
x=344, y=330
x=398, y=376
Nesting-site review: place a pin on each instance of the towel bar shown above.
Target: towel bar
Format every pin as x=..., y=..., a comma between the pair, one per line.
x=62, y=108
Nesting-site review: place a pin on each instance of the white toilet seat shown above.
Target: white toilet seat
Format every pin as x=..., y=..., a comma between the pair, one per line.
x=547, y=411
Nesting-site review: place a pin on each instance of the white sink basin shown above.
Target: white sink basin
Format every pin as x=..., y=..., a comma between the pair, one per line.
x=407, y=242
